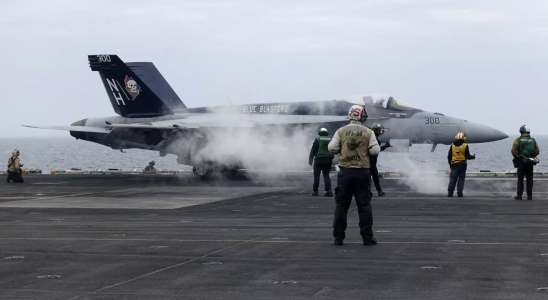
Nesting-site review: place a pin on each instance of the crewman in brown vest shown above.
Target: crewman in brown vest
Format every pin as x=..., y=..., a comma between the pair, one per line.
x=355, y=143
x=14, y=168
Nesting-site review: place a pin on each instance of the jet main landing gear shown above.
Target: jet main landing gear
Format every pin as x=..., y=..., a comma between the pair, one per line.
x=205, y=170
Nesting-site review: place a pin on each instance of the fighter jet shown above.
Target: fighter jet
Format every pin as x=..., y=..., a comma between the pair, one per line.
x=151, y=116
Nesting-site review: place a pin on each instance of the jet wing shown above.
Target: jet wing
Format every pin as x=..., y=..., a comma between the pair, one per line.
x=238, y=121
x=73, y=128
x=195, y=121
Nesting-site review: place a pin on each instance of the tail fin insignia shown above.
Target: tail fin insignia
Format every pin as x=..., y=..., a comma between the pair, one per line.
x=132, y=87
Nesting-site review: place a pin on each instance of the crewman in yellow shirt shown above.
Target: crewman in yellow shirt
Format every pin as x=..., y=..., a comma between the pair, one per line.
x=459, y=153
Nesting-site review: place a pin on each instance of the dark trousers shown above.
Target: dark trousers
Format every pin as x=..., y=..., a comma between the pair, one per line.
x=527, y=172
x=357, y=183
x=375, y=175
x=458, y=173
x=325, y=169
x=15, y=176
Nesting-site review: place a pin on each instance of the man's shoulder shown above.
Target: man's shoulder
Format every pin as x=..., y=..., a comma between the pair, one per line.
x=356, y=127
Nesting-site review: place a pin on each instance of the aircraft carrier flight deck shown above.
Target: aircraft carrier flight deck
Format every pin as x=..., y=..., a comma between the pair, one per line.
x=178, y=237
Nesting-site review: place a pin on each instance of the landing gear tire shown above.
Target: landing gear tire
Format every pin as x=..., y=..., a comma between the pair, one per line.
x=202, y=170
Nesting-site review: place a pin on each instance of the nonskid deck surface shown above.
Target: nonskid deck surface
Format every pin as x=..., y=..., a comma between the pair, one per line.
x=176, y=237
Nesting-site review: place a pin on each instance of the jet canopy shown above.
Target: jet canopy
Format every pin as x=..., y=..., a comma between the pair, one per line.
x=379, y=101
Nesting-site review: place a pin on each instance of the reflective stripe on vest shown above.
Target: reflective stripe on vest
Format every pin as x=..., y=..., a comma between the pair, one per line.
x=458, y=153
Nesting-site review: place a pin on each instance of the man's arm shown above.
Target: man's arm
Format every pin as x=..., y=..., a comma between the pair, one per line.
x=313, y=151
x=515, y=147
x=537, y=150
x=385, y=146
x=467, y=153
x=335, y=144
x=374, y=148
x=450, y=154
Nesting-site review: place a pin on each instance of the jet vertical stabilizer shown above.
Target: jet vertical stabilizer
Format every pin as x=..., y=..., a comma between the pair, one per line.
x=148, y=72
x=129, y=95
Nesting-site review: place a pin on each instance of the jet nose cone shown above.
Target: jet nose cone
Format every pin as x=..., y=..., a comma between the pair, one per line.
x=478, y=133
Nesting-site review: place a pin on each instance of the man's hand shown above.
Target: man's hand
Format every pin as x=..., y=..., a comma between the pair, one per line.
x=474, y=156
x=387, y=145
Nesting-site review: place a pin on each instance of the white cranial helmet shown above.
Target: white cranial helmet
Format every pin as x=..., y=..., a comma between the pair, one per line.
x=358, y=113
x=15, y=152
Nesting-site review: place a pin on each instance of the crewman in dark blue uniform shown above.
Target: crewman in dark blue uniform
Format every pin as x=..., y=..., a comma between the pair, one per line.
x=378, y=130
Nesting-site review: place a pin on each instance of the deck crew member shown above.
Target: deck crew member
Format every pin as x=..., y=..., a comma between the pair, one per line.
x=14, y=168
x=323, y=160
x=524, y=148
x=355, y=143
x=378, y=130
x=459, y=153
x=150, y=167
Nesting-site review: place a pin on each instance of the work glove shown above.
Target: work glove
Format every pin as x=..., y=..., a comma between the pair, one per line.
x=387, y=145
x=474, y=156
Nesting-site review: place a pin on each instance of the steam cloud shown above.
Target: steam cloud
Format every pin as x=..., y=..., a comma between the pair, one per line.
x=269, y=149
x=260, y=150
x=244, y=143
x=420, y=177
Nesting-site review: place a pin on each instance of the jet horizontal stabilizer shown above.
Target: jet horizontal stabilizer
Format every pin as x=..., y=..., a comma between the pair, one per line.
x=73, y=128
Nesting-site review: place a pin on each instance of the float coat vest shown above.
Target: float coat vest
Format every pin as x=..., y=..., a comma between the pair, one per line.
x=526, y=146
x=355, y=146
x=323, y=141
x=459, y=153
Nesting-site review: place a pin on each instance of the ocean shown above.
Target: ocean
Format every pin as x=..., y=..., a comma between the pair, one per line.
x=59, y=153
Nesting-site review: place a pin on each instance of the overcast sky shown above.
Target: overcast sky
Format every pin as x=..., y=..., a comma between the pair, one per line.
x=484, y=61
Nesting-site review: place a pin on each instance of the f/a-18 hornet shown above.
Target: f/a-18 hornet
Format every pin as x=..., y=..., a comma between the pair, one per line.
x=151, y=116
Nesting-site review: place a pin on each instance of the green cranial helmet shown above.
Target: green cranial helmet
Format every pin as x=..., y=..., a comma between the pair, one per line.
x=376, y=127
x=524, y=129
x=323, y=131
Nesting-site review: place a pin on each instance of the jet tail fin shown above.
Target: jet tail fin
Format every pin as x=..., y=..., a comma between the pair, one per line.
x=148, y=72
x=130, y=96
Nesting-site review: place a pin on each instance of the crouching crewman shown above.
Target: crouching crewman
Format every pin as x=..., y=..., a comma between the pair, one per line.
x=14, y=168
